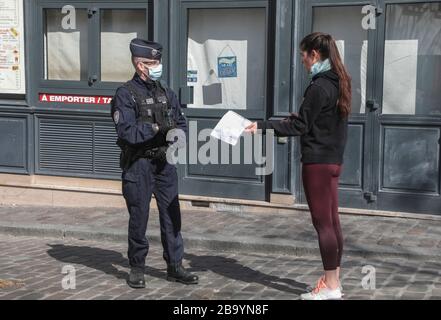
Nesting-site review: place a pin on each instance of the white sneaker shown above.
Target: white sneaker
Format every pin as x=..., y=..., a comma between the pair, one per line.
x=322, y=292
x=310, y=288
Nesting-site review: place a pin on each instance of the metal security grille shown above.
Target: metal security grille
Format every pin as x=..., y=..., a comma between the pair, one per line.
x=106, y=152
x=78, y=147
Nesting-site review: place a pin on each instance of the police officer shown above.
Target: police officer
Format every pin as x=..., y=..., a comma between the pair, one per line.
x=144, y=110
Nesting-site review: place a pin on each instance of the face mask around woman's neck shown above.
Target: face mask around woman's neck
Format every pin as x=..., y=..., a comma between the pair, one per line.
x=319, y=67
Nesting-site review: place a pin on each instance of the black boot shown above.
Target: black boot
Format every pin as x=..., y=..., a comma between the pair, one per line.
x=136, y=278
x=177, y=273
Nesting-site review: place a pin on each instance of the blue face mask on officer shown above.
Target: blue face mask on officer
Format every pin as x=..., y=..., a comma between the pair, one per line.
x=155, y=73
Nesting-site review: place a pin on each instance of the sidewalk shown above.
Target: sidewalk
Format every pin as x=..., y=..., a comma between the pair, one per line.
x=291, y=234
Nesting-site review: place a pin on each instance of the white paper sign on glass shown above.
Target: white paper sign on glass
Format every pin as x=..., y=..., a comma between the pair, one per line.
x=230, y=128
x=12, y=66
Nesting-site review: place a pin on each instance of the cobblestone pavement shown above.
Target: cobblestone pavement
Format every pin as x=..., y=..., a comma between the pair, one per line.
x=101, y=269
x=362, y=233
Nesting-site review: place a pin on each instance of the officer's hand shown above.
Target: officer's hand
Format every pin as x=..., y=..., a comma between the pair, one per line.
x=164, y=130
x=155, y=128
x=162, y=154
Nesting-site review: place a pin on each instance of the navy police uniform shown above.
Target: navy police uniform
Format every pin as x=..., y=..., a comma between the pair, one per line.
x=143, y=111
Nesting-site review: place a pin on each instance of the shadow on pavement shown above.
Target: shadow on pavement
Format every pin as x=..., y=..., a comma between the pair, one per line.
x=106, y=261
x=230, y=268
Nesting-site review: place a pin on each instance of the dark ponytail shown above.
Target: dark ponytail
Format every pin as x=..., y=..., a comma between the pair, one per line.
x=326, y=46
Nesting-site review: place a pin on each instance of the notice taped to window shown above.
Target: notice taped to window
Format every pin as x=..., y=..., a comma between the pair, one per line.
x=12, y=73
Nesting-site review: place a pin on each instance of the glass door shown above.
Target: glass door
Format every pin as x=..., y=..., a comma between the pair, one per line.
x=356, y=46
x=222, y=67
x=392, y=160
x=408, y=130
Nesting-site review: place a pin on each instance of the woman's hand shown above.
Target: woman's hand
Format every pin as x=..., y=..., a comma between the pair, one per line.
x=252, y=128
x=292, y=116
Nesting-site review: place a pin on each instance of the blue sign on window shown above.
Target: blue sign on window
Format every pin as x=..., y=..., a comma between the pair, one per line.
x=227, y=67
x=192, y=76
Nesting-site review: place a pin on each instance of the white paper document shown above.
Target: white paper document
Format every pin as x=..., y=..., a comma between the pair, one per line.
x=230, y=128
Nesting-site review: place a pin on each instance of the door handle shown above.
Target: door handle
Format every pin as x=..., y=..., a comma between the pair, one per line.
x=92, y=80
x=372, y=105
x=370, y=196
x=91, y=12
x=378, y=11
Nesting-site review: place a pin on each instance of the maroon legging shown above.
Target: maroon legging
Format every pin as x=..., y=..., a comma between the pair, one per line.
x=320, y=182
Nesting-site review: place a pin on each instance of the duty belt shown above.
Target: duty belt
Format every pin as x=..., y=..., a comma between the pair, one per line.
x=155, y=153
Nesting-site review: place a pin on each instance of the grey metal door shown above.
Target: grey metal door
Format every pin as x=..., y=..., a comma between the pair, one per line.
x=407, y=124
x=357, y=48
x=221, y=55
x=392, y=161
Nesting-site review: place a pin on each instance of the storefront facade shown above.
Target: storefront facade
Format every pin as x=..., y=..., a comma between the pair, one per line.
x=61, y=126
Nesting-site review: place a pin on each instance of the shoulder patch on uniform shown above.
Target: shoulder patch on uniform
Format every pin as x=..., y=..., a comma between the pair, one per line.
x=116, y=117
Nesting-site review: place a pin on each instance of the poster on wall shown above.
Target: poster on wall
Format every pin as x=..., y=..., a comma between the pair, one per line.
x=12, y=69
x=400, y=76
x=217, y=69
x=355, y=57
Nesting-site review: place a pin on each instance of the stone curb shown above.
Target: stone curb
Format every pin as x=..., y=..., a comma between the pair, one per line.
x=214, y=243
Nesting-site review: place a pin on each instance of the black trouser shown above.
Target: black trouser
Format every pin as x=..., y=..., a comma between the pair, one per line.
x=144, y=178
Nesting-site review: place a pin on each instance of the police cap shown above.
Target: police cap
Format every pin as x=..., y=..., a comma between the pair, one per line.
x=146, y=49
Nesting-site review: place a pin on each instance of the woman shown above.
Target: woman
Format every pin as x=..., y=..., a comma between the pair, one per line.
x=322, y=125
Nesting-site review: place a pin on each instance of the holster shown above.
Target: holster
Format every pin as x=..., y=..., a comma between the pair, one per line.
x=129, y=154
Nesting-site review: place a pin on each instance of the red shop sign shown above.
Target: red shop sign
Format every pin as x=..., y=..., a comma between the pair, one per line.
x=75, y=99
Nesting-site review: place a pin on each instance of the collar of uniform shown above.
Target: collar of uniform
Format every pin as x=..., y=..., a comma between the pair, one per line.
x=148, y=83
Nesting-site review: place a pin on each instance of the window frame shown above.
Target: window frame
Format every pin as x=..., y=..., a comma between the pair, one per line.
x=41, y=85
x=179, y=31
x=381, y=55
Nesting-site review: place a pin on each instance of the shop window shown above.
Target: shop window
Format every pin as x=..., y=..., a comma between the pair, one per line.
x=343, y=23
x=66, y=50
x=412, y=59
x=227, y=58
x=93, y=49
x=118, y=28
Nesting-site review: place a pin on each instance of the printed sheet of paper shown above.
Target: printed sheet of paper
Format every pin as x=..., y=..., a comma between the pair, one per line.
x=230, y=128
